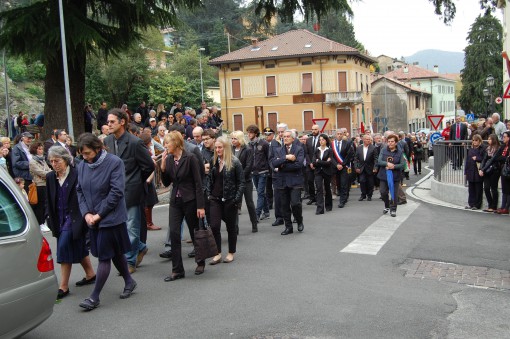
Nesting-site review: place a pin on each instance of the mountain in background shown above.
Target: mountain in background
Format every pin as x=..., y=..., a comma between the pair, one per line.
x=448, y=62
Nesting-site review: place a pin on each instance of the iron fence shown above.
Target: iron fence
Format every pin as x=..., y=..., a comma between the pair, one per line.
x=449, y=161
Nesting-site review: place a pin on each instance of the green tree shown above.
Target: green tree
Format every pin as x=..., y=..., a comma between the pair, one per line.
x=482, y=57
x=186, y=63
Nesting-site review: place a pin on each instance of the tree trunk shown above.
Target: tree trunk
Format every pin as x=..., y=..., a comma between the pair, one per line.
x=55, y=113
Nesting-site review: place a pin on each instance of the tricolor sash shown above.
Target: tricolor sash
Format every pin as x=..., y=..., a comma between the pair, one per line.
x=337, y=154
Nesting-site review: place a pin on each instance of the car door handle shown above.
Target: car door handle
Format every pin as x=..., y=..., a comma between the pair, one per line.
x=14, y=241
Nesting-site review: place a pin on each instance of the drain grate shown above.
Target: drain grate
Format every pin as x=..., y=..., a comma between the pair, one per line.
x=477, y=276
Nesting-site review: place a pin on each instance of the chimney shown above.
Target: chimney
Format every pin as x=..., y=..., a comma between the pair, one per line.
x=406, y=69
x=436, y=68
x=254, y=42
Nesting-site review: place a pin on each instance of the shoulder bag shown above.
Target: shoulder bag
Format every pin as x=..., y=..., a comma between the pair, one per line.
x=32, y=194
x=205, y=245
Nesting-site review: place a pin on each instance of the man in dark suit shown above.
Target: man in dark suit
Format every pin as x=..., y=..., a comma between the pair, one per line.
x=138, y=166
x=272, y=193
x=50, y=142
x=287, y=164
x=343, y=152
x=458, y=132
x=102, y=116
x=311, y=145
x=364, y=162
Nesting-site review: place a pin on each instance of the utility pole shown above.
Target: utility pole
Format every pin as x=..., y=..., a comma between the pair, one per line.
x=66, y=72
x=7, y=110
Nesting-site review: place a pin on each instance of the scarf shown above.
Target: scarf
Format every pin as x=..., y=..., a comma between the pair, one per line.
x=98, y=160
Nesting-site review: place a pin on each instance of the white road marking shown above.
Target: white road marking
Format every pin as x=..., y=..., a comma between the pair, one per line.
x=378, y=233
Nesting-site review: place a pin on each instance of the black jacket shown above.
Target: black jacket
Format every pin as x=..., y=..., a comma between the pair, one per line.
x=323, y=166
x=246, y=158
x=79, y=227
x=233, y=181
x=366, y=165
x=288, y=173
x=260, y=149
x=346, y=151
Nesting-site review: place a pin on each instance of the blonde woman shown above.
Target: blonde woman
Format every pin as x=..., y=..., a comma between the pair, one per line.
x=245, y=156
x=225, y=189
x=186, y=199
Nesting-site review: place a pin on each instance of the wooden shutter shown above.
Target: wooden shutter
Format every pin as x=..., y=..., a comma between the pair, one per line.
x=307, y=118
x=271, y=85
x=236, y=88
x=307, y=83
x=238, y=122
x=342, y=81
x=272, y=119
x=343, y=119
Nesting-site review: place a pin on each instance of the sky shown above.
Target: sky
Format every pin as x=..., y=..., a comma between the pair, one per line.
x=403, y=27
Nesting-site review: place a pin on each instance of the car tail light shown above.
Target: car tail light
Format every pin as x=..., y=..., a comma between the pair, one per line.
x=45, y=262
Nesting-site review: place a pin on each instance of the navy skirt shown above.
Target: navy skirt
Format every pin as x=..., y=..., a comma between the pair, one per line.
x=69, y=250
x=107, y=242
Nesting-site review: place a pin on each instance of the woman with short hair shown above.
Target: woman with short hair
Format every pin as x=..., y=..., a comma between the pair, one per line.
x=38, y=170
x=186, y=199
x=101, y=178
x=65, y=219
x=323, y=171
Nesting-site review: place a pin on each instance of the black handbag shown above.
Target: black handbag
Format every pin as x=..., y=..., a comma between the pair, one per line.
x=205, y=245
x=505, y=172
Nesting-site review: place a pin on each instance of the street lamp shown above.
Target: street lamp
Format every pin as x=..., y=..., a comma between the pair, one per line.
x=490, y=85
x=200, y=50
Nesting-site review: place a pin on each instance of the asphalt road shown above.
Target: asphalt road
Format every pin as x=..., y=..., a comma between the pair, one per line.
x=302, y=285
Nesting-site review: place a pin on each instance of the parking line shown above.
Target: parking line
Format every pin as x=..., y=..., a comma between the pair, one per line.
x=380, y=231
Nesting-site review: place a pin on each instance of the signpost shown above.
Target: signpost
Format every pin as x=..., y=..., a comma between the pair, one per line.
x=435, y=120
x=434, y=136
x=321, y=122
x=470, y=117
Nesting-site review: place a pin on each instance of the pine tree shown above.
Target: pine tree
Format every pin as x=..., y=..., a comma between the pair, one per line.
x=482, y=57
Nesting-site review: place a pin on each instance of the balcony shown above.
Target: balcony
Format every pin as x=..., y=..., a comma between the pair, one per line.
x=339, y=98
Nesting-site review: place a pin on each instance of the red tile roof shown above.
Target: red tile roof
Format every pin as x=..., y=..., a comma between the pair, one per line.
x=399, y=83
x=413, y=72
x=295, y=43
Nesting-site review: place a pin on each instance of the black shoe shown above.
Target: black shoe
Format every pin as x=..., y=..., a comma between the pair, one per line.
x=166, y=255
x=254, y=229
x=300, y=227
x=278, y=222
x=341, y=205
x=86, y=281
x=369, y=199
x=287, y=230
x=89, y=304
x=361, y=198
x=128, y=291
x=61, y=294
x=319, y=212
x=191, y=254
x=328, y=209
x=200, y=269
x=174, y=276
x=393, y=213
x=311, y=201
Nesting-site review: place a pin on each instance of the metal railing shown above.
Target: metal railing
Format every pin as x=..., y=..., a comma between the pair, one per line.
x=449, y=161
x=344, y=97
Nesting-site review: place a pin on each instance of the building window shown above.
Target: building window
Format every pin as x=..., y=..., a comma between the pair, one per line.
x=417, y=102
x=357, y=83
x=270, y=65
x=307, y=120
x=306, y=63
x=307, y=83
x=342, y=81
x=270, y=85
x=238, y=122
x=236, y=88
x=235, y=69
x=361, y=82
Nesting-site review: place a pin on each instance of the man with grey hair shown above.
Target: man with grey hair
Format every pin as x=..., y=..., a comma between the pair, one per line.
x=287, y=164
x=343, y=152
x=499, y=126
x=277, y=143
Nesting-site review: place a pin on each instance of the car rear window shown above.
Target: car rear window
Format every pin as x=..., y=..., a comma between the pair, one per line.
x=12, y=218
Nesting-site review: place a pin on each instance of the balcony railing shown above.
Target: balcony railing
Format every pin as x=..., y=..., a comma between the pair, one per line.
x=339, y=98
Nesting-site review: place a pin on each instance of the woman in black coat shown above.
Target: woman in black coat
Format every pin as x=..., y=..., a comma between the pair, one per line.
x=490, y=173
x=186, y=199
x=65, y=220
x=323, y=172
x=225, y=188
x=417, y=155
x=471, y=171
x=499, y=160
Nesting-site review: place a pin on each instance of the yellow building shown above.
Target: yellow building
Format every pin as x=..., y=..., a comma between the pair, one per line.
x=293, y=78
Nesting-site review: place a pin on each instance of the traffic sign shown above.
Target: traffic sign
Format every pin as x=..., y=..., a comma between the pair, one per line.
x=507, y=95
x=435, y=120
x=322, y=122
x=434, y=136
x=498, y=100
x=470, y=117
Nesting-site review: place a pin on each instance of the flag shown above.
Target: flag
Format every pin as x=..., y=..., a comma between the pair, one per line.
x=362, y=128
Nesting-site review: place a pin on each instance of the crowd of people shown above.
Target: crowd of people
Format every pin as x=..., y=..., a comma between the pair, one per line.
x=98, y=196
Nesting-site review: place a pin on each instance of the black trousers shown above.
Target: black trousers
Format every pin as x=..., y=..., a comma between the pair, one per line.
x=40, y=208
x=143, y=224
x=250, y=205
x=226, y=211
x=291, y=205
x=310, y=182
x=178, y=212
x=366, y=182
x=490, y=186
x=269, y=191
x=475, y=194
x=278, y=214
x=342, y=185
x=384, y=189
x=323, y=184
x=457, y=156
x=417, y=165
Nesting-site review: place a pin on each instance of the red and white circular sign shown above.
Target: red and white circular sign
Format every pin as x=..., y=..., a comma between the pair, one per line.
x=498, y=100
